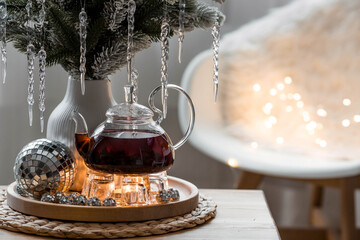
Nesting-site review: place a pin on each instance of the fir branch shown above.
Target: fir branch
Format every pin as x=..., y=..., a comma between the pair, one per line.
x=107, y=30
x=64, y=30
x=57, y=55
x=11, y=4
x=115, y=12
x=113, y=55
x=96, y=29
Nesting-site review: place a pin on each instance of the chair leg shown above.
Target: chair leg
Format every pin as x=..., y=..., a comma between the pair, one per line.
x=249, y=180
x=316, y=201
x=348, y=225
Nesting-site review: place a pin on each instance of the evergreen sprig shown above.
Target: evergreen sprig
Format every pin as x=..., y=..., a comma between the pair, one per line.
x=107, y=30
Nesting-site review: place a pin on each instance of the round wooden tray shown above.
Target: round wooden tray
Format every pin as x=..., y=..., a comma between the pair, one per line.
x=189, y=197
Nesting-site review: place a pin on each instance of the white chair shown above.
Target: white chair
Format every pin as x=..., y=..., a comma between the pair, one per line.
x=302, y=24
x=210, y=137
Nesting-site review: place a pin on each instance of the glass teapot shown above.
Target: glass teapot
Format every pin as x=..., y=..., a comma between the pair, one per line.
x=129, y=141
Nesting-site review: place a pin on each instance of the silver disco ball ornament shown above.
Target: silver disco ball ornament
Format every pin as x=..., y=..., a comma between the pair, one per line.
x=44, y=166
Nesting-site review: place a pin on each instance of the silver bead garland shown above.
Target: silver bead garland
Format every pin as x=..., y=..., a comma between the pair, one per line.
x=163, y=196
x=109, y=202
x=58, y=196
x=94, y=201
x=65, y=200
x=47, y=197
x=73, y=199
x=80, y=200
x=174, y=194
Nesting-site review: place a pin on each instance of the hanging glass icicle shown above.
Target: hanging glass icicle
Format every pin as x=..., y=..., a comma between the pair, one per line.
x=83, y=35
x=135, y=83
x=42, y=66
x=30, y=53
x=30, y=62
x=42, y=14
x=131, y=71
x=165, y=30
x=3, y=20
x=182, y=6
x=215, y=45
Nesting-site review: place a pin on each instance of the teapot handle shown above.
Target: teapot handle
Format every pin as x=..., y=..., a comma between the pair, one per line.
x=161, y=115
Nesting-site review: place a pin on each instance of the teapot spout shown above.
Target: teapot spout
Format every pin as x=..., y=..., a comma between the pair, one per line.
x=80, y=123
x=82, y=139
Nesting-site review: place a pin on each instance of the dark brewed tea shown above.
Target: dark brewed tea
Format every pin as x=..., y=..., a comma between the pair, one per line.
x=126, y=152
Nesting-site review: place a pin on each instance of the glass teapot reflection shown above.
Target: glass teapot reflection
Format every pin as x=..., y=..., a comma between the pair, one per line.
x=129, y=141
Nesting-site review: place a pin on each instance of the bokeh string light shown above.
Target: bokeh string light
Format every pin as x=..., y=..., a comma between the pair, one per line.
x=291, y=102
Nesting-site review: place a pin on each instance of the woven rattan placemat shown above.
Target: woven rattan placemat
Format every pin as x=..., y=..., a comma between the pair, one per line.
x=18, y=222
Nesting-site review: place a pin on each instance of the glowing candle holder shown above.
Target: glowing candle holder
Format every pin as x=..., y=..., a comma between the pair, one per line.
x=98, y=185
x=126, y=190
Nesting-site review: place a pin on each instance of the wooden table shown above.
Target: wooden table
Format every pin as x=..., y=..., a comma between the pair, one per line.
x=241, y=214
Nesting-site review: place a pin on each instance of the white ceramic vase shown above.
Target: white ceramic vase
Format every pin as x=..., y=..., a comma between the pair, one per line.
x=93, y=105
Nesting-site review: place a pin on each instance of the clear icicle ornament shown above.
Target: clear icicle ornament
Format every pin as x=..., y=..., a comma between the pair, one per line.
x=30, y=55
x=215, y=45
x=130, y=41
x=42, y=67
x=135, y=83
x=3, y=20
x=182, y=6
x=28, y=8
x=30, y=63
x=83, y=35
x=165, y=30
x=42, y=14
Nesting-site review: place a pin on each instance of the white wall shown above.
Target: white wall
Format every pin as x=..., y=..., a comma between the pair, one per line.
x=15, y=131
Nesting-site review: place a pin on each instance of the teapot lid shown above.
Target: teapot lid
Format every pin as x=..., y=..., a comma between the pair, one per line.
x=130, y=110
